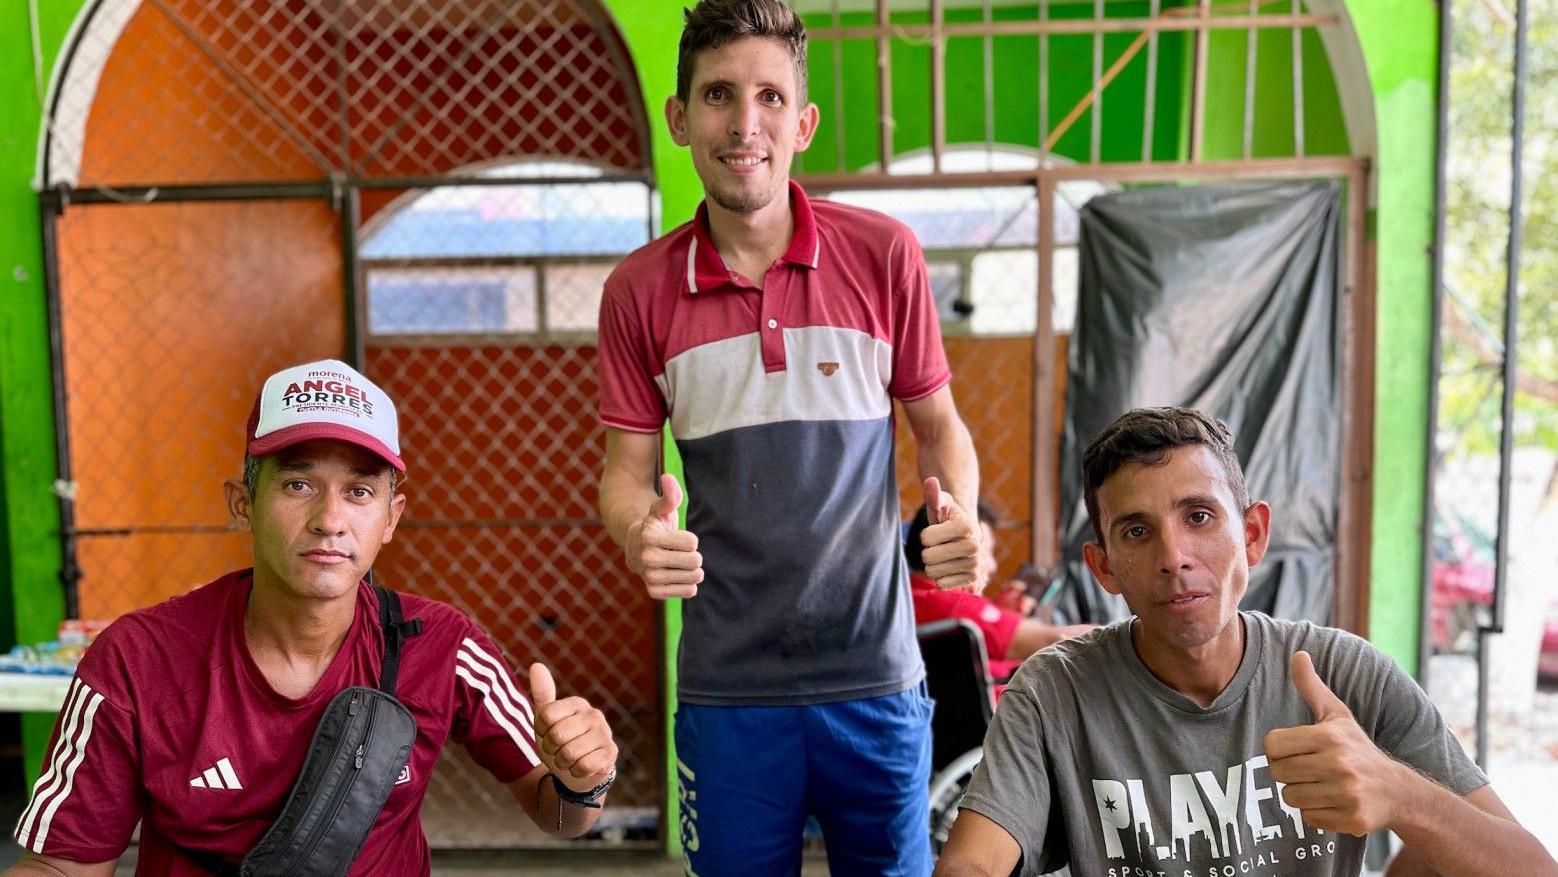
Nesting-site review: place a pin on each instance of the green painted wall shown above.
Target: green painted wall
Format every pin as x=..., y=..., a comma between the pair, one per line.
x=1399, y=41
x=1397, y=37
x=1014, y=94
x=31, y=597
x=652, y=32
x=1227, y=53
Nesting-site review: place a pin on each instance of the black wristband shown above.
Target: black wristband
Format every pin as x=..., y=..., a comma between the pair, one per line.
x=589, y=799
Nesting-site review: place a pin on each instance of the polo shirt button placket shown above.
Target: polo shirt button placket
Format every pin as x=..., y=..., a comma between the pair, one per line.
x=771, y=333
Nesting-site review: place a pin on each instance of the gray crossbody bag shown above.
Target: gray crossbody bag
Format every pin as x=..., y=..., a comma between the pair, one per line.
x=362, y=743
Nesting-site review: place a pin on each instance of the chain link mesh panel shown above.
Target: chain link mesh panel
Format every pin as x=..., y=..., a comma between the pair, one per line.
x=200, y=91
x=981, y=250
x=503, y=451
x=482, y=304
x=172, y=316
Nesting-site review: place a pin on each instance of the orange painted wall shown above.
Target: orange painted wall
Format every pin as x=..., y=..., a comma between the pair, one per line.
x=503, y=450
x=992, y=382
x=173, y=315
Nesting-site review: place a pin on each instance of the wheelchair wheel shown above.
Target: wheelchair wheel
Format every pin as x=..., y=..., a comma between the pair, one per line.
x=946, y=791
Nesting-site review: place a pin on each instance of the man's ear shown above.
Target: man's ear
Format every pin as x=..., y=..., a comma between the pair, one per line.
x=238, y=504
x=1097, y=561
x=676, y=120
x=1257, y=531
x=397, y=506
x=810, y=117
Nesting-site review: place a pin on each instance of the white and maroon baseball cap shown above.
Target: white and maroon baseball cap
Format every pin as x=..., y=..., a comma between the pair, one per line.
x=327, y=399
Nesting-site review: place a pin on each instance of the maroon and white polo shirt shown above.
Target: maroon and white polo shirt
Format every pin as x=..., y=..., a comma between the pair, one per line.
x=780, y=397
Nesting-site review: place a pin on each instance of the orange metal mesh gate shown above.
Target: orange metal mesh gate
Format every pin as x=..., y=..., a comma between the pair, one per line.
x=215, y=168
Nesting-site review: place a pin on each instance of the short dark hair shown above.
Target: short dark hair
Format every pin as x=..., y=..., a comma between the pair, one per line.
x=913, y=551
x=713, y=23
x=1147, y=436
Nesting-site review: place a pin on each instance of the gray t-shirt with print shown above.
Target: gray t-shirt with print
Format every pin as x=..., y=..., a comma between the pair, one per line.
x=1094, y=762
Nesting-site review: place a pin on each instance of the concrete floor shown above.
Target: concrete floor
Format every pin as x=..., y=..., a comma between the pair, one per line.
x=564, y=863
x=577, y=863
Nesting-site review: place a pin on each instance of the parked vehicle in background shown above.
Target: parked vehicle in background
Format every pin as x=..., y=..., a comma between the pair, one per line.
x=1462, y=593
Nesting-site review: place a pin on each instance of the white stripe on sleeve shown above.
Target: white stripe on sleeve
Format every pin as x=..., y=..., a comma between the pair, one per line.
x=501, y=672
x=95, y=700
x=70, y=751
x=57, y=756
x=498, y=714
x=501, y=694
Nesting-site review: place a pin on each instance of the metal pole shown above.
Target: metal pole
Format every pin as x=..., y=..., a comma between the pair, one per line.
x=1150, y=109
x=838, y=98
x=1085, y=26
x=70, y=569
x=1096, y=128
x=350, y=209
x=1198, y=82
x=1350, y=606
x=142, y=195
x=1511, y=323
x=1043, y=82
x=989, y=59
x=1314, y=167
x=1251, y=55
x=938, y=86
x=1298, y=86
x=324, y=190
x=1045, y=528
x=1435, y=345
x=884, y=87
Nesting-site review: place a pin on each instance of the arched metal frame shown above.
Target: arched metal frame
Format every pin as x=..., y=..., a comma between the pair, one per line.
x=99, y=27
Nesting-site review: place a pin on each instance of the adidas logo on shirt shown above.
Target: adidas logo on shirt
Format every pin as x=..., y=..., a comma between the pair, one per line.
x=218, y=776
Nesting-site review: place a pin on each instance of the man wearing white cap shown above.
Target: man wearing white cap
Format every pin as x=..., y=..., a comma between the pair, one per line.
x=194, y=717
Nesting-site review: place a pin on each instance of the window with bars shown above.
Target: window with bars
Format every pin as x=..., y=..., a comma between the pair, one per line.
x=524, y=257
x=981, y=242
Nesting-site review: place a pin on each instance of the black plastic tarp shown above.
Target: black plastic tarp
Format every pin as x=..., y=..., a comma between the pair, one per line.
x=1222, y=298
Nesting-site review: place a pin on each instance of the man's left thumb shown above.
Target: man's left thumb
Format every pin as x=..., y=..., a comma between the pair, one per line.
x=1322, y=701
x=542, y=689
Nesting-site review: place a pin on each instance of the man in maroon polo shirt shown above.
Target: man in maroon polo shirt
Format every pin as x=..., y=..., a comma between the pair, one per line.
x=193, y=717
x=774, y=334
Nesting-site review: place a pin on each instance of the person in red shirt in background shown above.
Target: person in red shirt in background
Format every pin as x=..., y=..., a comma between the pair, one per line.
x=1010, y=637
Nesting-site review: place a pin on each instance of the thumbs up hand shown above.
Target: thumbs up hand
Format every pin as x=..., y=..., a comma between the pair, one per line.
x=1334, y=774
x=951, y=542
x=572, y=738
x=665, y=556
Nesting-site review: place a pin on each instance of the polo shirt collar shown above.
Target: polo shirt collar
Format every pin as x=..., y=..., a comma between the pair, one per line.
x=706, y=270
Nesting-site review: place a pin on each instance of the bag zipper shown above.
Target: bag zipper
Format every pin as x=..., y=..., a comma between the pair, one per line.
x=347, y=782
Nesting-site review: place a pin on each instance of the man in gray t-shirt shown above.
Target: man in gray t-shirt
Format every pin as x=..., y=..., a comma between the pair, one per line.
x=1195, y=740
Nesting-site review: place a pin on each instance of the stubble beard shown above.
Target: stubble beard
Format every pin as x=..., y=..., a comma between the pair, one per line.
x=742, y=200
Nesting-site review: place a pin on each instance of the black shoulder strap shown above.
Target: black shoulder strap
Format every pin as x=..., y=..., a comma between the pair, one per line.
x=211, y=862
x=396, y=631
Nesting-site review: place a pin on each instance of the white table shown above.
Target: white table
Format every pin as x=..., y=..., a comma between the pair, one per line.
x=32, y=692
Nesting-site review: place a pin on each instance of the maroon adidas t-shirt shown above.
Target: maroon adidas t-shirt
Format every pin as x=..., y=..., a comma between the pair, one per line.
x=170, y=723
